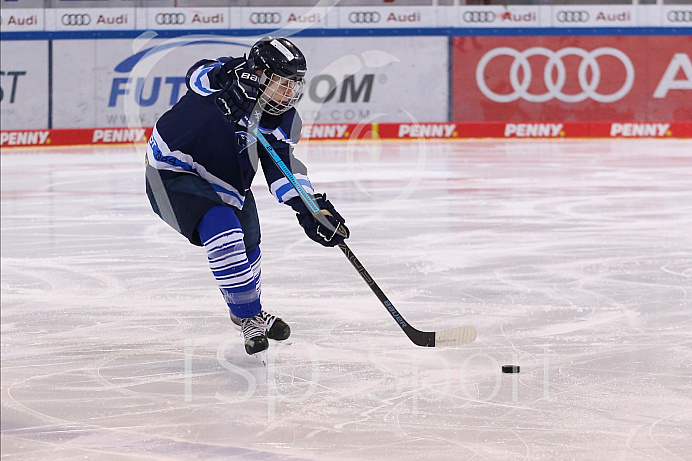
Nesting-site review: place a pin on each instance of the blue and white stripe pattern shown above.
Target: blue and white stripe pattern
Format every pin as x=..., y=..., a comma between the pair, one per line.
x=199, y=79
x=283, y=190
x=161, y=157
x=237, y=278
x=255, y=259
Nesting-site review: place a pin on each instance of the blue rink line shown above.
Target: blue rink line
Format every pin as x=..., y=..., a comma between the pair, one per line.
x=428, y=31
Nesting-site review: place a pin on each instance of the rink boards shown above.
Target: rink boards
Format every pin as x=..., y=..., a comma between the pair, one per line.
x=529, y=71
x=377, y=131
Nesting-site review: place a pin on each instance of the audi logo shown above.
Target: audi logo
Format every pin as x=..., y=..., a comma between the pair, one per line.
x=265, y=18
x=364, y=17
x=170, y=19
x=572, y=16
x=554, y=85
x=478, y=16
x=680, y=16
x=75, y=19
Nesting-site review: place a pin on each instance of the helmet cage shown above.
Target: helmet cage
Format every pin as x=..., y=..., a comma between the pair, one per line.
x=279, y=94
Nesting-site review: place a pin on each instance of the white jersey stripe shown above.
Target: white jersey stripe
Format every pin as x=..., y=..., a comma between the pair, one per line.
x=161, y=157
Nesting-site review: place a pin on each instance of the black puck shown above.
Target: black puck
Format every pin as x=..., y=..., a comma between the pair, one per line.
x=510, y=368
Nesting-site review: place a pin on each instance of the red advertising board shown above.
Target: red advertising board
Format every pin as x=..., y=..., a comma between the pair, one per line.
x=377, y=131
x=572, y=78
x=74, y=137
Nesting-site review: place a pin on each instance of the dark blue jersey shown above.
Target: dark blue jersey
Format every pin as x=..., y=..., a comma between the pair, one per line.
x=195, y=137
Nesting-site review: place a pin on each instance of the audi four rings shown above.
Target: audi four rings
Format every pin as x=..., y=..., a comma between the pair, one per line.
x=478, y=16
x=169, y=19
x=680, y=16
x=265, y=18
x=364, y=17
x=75, y=19
x=572, y=16
x=554, y=86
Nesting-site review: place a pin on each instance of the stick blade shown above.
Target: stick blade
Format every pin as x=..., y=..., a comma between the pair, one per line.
x=455, y=337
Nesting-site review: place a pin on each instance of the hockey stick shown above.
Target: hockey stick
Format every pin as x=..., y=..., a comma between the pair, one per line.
x=452, y=337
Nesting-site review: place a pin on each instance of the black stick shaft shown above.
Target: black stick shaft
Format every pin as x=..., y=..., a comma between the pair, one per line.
x=418, y=337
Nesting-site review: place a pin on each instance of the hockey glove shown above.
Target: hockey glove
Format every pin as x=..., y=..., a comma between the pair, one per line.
x=240, y=88
x=314, y=229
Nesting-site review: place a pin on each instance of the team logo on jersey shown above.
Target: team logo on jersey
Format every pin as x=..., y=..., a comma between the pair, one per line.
x=244, y=140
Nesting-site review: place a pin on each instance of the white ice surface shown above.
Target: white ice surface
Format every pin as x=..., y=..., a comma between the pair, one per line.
x=572, y=258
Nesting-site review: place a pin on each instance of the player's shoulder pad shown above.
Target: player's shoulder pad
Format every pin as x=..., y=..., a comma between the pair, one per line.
x=198, y=64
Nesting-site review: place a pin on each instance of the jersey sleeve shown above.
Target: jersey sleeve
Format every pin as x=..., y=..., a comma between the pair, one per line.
x=283, y=139
x=201, y=77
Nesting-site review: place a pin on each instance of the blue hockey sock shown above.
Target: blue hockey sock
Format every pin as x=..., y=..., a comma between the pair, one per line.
x=254, y=257
x=222, y=237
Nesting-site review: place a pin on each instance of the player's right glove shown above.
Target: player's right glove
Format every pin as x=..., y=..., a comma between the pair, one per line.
x=316, y=231
x=240, y=86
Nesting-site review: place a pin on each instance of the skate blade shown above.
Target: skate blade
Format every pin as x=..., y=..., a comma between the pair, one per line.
x=262, y=357
x=286, y=342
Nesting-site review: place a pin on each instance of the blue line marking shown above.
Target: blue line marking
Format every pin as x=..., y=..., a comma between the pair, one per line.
x=428, y=31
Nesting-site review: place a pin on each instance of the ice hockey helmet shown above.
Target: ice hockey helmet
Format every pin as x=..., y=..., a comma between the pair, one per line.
x=283, y=69
x=279, y=56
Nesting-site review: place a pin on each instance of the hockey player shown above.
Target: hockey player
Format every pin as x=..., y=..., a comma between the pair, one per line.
x=202, y=157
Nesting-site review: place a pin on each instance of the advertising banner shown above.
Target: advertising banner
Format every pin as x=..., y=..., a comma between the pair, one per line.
x=22, y=19
x=572, y=78
x=285, y=17
x=278, y=19
x=374, y=132
x=126, y=82
x=391, y=79
x=502, y=16
x=185, y=18
x=386, y=17
x=676, y=15
x=90, y=19
x=74, y=137
x=594, y=16
x=132, y=82
x=24, y=98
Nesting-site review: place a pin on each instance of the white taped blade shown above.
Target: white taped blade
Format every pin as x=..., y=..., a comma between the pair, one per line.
x=455, y=336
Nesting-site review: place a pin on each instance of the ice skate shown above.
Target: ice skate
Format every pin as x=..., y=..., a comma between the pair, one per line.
x=255, y=334
x=275, y=327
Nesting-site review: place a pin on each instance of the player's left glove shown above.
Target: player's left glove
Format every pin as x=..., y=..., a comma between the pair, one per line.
x=313, y=229
x=240, y=87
